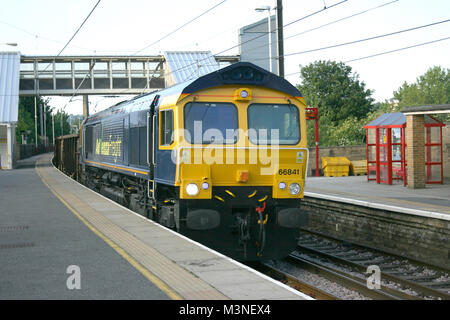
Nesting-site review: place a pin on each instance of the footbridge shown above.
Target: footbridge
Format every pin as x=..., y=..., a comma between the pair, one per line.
x=104, y=75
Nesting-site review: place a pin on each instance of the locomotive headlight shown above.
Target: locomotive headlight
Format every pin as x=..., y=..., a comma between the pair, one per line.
x=282, y=185
x=205, y=185
x=244, y=94
x=294, y=188
x=192, y=189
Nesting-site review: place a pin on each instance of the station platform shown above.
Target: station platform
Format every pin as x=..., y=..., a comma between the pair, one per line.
x=432, y=202
x=61, y=240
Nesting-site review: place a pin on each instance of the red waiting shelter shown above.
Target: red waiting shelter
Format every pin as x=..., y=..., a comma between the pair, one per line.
x=386, y=149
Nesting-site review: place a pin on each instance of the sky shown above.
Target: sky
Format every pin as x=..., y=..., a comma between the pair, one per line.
x=125, y=27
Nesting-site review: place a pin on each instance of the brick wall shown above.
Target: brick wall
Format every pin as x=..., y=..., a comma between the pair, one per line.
x=421, y=238
x=415, y=154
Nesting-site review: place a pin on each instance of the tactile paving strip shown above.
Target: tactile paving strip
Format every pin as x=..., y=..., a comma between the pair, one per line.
x=78, y=199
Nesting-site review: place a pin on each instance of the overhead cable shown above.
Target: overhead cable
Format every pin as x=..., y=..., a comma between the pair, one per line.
x=342, y=19
x=73, y=36
x=180, y=27
x=263, y=34
x=362, y=40
x=386, y=52
x=396, y=50
x=79, y=28
x=330, y=23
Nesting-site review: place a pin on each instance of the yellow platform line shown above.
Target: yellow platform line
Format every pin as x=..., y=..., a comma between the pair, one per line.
x=146, y=273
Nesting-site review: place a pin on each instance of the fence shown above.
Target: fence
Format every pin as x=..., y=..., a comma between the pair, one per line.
x=24, y=151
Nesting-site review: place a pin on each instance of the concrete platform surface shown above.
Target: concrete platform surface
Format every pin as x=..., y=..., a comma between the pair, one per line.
x=51, y=225
x=433, y=201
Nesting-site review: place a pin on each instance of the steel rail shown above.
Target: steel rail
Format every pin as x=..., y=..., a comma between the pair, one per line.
x=293, y=282
x=376, y=250
x=417, y=287
x=350, y=281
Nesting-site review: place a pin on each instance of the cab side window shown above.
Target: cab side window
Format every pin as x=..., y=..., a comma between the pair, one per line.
x=166, y=127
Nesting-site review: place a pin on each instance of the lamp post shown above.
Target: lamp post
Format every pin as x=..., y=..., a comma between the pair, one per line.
x=61, y=121
x=35, y=124
x=280, y=38
x=53, y=128
x=269, y=29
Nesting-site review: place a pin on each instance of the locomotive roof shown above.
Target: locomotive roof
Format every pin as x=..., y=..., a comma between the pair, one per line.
x=241, y=73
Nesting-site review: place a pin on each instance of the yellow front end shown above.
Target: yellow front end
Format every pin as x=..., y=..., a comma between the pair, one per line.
x=247, y=159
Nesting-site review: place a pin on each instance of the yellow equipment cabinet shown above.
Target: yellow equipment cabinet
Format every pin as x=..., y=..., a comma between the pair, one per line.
x=358, y=167
x=335, y=166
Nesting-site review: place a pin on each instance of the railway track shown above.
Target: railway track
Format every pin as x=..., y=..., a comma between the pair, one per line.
x=340, y=261
x=343, y=279
x=347, y=280
x=293, y=282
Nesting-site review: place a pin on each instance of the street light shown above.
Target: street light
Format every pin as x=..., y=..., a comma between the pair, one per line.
x=268, y=9
x=262, y=8
x=12, y=44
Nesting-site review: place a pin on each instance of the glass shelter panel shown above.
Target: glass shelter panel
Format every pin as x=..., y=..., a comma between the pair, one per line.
x=383, y=155
x=434, y=174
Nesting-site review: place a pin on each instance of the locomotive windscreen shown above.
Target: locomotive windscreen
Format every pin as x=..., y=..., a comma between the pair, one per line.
x=273, y=124
x=211, y=123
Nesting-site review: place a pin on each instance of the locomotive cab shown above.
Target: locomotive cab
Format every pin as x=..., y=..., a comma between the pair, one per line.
x=240, y=161
x=222, y=159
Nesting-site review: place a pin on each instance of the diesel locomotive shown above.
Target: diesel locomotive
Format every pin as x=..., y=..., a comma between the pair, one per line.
x=221, y=159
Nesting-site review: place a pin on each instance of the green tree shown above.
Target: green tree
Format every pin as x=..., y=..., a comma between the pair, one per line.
x=342, y=99
x=433, y=87
x=349, y=132
x=25, y=123
x=335, y=90
x=65, y=123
